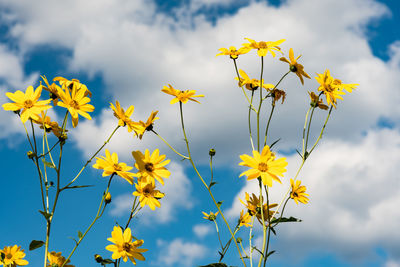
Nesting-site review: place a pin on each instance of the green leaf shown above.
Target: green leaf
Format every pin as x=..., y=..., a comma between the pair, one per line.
x=35, y=244
x=80, y=234
x=218, y=264
x=78, y=186
x=46, y=215
x=270, y=253
x=48, y=164
x=273, y=230
x=274, y=143
x=2, y=256
x=211, y=184
x=107, y=261
x=219, y=203
x=283, y=219
x=299, y=153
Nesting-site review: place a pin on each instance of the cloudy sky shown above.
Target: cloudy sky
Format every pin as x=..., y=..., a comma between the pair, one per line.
x=128, y=50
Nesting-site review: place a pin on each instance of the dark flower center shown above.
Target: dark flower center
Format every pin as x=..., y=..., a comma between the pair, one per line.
x=263, y=167
x=149, y=167
x=74, y=104
x=127, y=246
x=28, y=103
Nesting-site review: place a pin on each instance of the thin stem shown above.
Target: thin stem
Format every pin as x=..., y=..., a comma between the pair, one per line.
x=208, y=188
x=304, y=131
x=219, y=236
x=249, y=121
x=183, y=156
x=269, y=227
x=322, y=131
x=263, y=222
x=99, y=213
x=259, y=105
x=211, y=170
x=90, y=160
x=309, y=126
x=251, y=238
x=244, y=92
x=133, y=209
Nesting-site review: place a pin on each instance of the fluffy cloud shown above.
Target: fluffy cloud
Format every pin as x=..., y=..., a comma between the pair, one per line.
x=354, y=191
x=176, y=188
x=201, y=230
x=179, y=253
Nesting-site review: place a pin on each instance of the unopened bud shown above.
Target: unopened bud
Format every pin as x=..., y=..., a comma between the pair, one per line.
x=293, y=68
x=239, y=240
x=30, y=154
x=212, y=152
x=98, y=258
x=107, y=199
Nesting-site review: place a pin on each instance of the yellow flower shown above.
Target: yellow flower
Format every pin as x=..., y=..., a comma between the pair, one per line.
x=74, y=83
x=123, y=246
x=148, y=125
x=52, y=89
x=264, y=47
x=295, y=67
x=298, y=192
x=264, y=166
x=56, y=260
x=316, y=101
x=254, y=208
x=124, y=117
x=45, y=123
x=148, y=195
x=332, y=88
x=251, y=84
x=211, y=217
x=180, y=96
x=110, y=165
x=13, y=256
x=28, y=102
x=76, y=103
x=151, y=167
x=232, y=52
x=244, y=219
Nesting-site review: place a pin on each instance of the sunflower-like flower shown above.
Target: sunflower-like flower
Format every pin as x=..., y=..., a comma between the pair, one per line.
x=295, y=67
x=151, y=167
x=211, y=217
x=254, y=207
x=180, y=96
x=110, y=165
x=124, y=117
x=74, y=83
x=332, y=88
x=232, y=52
x=76, y=102
x=123, y=246
x=148, y=195
x=316, y=101
x=251, y=84
x=52, y=89
x=244, y=219
x=13, y=256
x=298, y=192
x=263, y=165
x=28, y=102
x=148, y=125
x=264, y=47
x=56, y=260
x=45, y=123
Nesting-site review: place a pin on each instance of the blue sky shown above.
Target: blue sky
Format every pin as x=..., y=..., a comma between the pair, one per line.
x=127, y=50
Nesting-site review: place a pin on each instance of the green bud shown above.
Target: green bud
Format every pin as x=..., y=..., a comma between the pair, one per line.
x=98, y=258
x=239, y=240
x=293, y=68
x=107, y=199
x=30, y=154
x=212, y=152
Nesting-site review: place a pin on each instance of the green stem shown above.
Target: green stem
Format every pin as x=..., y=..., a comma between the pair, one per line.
x=249, y=121
x=244, y=92
x=208, y=188
x=183, y=156
x=269, y=228
x=99, y=213
x=263, y=222
x=322, y=131
x=259, y=105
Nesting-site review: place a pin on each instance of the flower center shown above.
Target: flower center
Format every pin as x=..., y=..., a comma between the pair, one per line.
x=149, y=167
x=28, y=103
x=262, y=45
x=295, y=194
x=117, y=167
x=9, y=256
x=127, y=246
x=263, y=167
x=74, y=104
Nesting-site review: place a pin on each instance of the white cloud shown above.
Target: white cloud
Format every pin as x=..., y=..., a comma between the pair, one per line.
x=176, y=188
x=201, y=230
x=392, y=263
x=354, y=194
x=179, y=253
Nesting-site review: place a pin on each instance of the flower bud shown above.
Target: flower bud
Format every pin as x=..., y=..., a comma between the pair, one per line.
x=107, y=198
x=30, y=154
x=212, y=152
x=239, y=240
x=98, y=258
x=293, y=68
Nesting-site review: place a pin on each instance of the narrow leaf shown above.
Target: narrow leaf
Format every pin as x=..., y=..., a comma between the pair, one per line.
x=211, y=184
x=219, y=203
x=80, y=234
x=35, y=244
x=274, y=143
x=107, y=261
x=283, y=219
x=48, y=164
x=218, y=264
x=299, y=153
x=78, y=186
x=46, y=215
x=270, y=253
